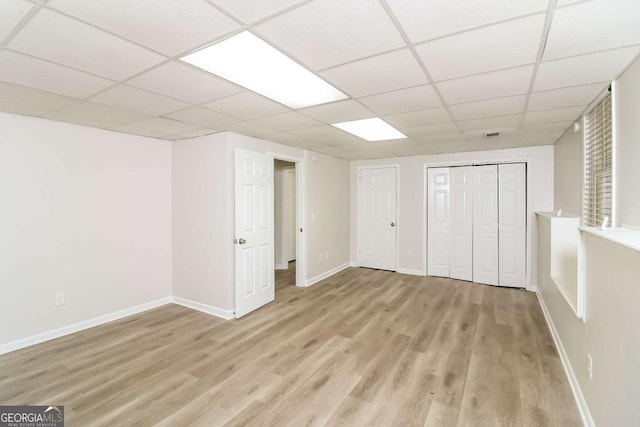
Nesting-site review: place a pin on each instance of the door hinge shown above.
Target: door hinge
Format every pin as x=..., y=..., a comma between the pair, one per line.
x=301, y=230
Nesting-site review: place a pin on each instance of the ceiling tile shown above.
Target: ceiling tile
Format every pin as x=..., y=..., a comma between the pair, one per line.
x=325, y=33
x=335, y=112
x=24, y=100
x=418, y=118
x=514, y=81
x=436, y=18
x=431, y=130
x=33, y=72
x=577, y=70
x=12, y=12
x=201, y=117
x=134, y=99
x=504, y=45
x=593, y=26
x=285, y=138
x=342, y=140
x=193, y=134
x=403, y=100
x=322, y=133
x=157, y=127
x=246, y=106
x=168, y=26
x=249, y=129
x=182, y=82
x=382, y=73
x=491, y=123
x=101, y=113
x=555, y=115
x=60, y=116
x=488, y=108
x=251, y=10
x=565, y=97
x=547, y=127
x=505, y=133
x=287, y=121
x=66, y=41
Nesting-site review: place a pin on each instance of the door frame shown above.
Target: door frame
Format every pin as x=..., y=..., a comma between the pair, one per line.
x=299, y=167
x=528, y=161
x=358, y=190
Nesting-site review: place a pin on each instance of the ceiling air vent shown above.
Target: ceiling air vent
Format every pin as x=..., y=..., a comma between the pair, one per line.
x=491, y=134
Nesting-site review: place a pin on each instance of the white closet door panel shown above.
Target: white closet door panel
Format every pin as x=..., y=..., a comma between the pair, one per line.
x=377, y=218
x=461, y=245
x=485, y=224
x=438, y=219
x=512, y=220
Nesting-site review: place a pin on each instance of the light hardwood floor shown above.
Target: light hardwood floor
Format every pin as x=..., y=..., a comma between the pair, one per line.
x=363, y=347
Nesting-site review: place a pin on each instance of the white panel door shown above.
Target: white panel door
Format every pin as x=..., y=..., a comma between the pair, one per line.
x=512, y=221
x=438, y=220
x=485, y=224
x=377, y=218
x=461, y=244
x=254, y=227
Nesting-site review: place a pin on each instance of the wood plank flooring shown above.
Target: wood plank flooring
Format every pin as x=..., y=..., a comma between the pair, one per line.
x=363, y=347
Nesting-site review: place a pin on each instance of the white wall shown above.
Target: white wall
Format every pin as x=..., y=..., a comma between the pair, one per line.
x=327, y=204
x=203, y=220
x=567, y=186
x=611, y=333
x=83, y=211
x=627, y=107
x=201, y=246
x=411, y=213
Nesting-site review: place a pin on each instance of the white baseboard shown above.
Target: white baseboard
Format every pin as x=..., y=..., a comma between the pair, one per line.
x=80, y=326
x=353, y=264
x=327, y=274
x=282, y=266
x=410, y=271
x=583, y=408
x=209, y=309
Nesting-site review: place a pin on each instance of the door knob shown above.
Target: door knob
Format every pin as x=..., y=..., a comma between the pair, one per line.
x=393, y=224
x=240, y=241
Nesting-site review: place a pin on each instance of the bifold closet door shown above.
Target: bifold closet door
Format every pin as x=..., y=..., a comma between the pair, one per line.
x=461, y=228
x=438, y=222
x=485, y=224
x=512, y=224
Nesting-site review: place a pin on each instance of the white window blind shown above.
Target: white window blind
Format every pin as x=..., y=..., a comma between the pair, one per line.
x=598, y=154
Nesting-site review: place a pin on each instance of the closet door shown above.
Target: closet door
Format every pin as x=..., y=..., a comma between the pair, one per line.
x=438, y=222
x=461, y=244
x=485, y=224
x=512, y=220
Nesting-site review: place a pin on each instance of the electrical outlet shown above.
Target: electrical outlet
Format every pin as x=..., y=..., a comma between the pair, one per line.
x=59, y=298
x=589, y=366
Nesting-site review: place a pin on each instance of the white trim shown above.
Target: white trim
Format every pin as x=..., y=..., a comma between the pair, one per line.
x=282, y=266
x=208, y=309
x=583, y=408
x=411, y=271
x=353, y=264
x=327, y=274
x=528, y=161
x=81, y=326
x=396, y=166
x=614, y=155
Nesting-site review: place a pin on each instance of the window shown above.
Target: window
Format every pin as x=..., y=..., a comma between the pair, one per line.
x=598, y=163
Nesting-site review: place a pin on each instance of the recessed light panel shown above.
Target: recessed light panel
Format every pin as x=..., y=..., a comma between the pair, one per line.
x=373, y=129
x=250, y=62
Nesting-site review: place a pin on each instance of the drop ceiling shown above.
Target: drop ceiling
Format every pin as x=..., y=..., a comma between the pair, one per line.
x=442, y=72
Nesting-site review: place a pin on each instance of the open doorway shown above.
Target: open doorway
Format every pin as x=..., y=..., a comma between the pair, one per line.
x=285, y=207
